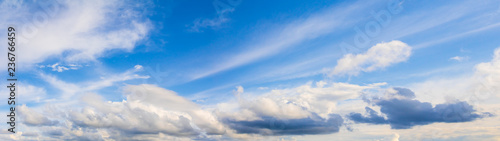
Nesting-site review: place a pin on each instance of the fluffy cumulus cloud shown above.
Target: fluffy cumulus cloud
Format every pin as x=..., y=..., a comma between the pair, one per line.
x=487, y=76
x=302, y=110
x=377, y=57
x=402, y=111
x=73, y=30
x=34, y=118
x=147, y=110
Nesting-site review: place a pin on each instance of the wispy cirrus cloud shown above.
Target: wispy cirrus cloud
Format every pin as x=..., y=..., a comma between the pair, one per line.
x=68, y=90
x=60, y=68
x=283, y=37
x=223, y=9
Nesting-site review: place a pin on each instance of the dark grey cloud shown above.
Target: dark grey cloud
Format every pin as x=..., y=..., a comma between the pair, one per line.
x=406, y=113
x=404, y=92
x=274, y=126
x=54, y=133
x=373, y=117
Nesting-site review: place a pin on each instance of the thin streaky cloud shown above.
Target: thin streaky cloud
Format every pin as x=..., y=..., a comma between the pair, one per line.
x=283, y=38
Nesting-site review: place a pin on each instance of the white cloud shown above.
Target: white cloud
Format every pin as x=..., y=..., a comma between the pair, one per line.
x=377, y=57
x=460, y=58
x=73, y=30
x=60, y=68
x=148, y=109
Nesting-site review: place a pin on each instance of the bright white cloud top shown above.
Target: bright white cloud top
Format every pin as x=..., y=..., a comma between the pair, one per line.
x=254, y=70
x=377, y=57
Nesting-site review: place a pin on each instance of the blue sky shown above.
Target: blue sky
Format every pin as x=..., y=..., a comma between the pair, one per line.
x=257, y=70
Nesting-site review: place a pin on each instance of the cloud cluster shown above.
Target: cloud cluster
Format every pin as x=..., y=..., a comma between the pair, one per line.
x=402, y=111
x=151, y=112
x=297, y=111
x=377, y=57
x=148, y=110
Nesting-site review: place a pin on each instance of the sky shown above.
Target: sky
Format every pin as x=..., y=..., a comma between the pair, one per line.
x=254, y=70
